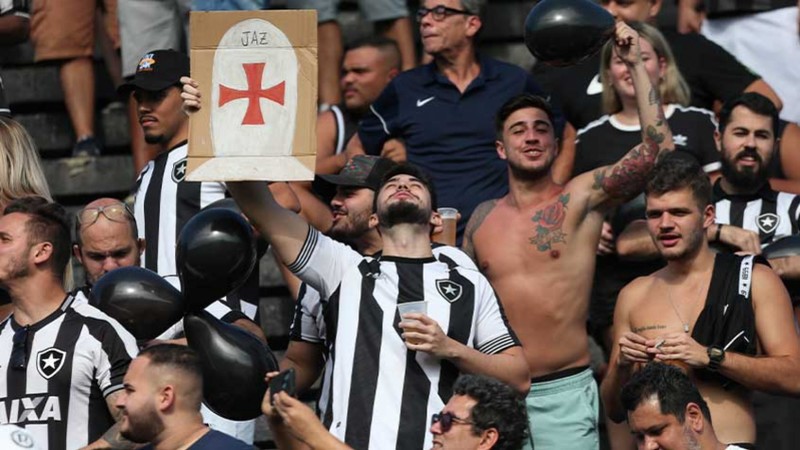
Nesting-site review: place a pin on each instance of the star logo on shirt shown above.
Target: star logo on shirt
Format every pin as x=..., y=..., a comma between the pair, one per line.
x=179, y=170
x=679, y=139
x=449, y=289
x=49, y=362
x=768, y=222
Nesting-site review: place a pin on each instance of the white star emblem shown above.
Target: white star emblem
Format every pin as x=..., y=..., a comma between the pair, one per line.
x=50, y=361
x=767, y=221
x=680, y=139
x=449, y=290
x=182, y=169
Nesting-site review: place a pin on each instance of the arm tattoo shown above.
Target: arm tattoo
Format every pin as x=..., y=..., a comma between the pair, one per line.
x=653, y=97
x=549, y=224
x=649, y=328
x=475, y=222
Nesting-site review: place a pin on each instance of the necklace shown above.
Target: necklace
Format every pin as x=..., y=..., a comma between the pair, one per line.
x=674, y=308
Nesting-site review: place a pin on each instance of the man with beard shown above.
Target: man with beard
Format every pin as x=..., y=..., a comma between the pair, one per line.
x=724, y=318
x=352, y=207
x=160, y=403
x=666, y=411
x=543, y=234
x=389, y=373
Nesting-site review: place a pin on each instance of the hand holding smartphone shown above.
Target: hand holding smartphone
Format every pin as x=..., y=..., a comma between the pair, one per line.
x=283, y=382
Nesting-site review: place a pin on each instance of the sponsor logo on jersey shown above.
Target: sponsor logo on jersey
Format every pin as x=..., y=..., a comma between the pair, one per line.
x=34, y=409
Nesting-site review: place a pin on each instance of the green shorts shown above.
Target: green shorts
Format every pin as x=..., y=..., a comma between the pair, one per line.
x=563, y=413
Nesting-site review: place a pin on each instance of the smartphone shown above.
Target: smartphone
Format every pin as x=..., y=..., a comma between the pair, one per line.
x=283, y=382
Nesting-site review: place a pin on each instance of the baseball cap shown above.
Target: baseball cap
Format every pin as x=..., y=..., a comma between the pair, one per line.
x=14, y=437
x=157, y=70
x=362, y=171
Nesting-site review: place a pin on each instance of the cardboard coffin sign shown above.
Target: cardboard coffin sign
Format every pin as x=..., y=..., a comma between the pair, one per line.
x=258, y=81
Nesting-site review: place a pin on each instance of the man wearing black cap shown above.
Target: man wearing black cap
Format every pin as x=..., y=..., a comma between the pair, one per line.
x=165, y=202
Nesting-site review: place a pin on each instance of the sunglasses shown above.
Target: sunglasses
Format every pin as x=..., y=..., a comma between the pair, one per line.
x=19, y=349
x=118, y=212
x=440, y=12
x=446, y=421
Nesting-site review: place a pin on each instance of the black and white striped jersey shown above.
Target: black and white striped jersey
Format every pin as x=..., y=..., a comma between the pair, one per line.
x=76, y=357
x=773, y=215
x=376, y=393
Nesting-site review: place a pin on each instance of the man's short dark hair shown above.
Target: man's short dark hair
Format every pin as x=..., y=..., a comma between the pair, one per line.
x=497, y=406
x=522, y=101
x=669, y=384
x=47, y=222
x=756, y=103
x=180, y=358
x=383, y=44
x=414, y=171
x=675, y=171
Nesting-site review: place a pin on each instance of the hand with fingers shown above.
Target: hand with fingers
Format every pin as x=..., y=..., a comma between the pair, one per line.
x=266, y=403
x=190, y=96
x=746, y=241
x=678, y=347
x=626, y=44
x=607, y=244
x=424, y=334
x=632, y=349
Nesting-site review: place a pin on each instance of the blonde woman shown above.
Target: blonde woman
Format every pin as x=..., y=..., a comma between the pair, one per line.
x=21, y=175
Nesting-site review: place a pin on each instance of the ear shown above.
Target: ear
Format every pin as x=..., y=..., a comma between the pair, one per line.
x=694, y=418
x=655, y=7
x=662, y=68
x=392, y=73
x=41, y=252
x=436, y=220
x=373, y=221
x=488, y=439
x=718, y=140
x=76, y=252
x=709, y=215
x=165, y=398
x=474, y=25
x=140, y=243
x=501, y=149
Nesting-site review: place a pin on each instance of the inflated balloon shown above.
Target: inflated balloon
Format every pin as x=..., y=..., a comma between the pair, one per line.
x=565, y=32
x=234, y=364
x=230, y=204
x=139, y=299
x=215, y=254
x=788, y=246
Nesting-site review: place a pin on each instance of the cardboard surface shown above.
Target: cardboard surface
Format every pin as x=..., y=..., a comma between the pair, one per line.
x=257, y=72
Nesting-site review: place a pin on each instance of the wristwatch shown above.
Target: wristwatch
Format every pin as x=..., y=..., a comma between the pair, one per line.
x=716, y=355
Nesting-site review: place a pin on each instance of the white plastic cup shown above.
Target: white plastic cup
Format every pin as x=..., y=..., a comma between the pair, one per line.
x=420, y=307
x=449, y=225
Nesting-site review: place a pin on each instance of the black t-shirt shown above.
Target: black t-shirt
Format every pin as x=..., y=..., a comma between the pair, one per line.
x=711, y=72
x=606, y=140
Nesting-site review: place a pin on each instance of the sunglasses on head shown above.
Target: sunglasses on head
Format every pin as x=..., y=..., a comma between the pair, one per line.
x=19, y=348
x=446, y=420
x=118, y=212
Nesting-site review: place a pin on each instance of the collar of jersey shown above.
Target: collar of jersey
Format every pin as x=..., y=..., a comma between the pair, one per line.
x=488, y=72
x=764, y=192
x=401, y=259
x=42, y=323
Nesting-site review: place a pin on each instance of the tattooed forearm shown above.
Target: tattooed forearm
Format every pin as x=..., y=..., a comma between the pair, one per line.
x=475, y=222
x=653, y=96
x=627, y=178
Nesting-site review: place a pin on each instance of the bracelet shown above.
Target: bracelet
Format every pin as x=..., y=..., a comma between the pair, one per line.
x=719, y=230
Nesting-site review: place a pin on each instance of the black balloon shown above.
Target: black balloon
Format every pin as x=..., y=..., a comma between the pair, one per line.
x=788, y=246
x=234, y=364
x=565, y=32
x=215, y=254
x=230, y=204
x=139, y=299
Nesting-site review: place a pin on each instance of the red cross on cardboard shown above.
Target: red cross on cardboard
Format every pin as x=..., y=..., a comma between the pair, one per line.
x=253, y=115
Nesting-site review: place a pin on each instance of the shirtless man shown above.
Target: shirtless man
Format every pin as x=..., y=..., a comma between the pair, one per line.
x=537, y=245
x=724, y=318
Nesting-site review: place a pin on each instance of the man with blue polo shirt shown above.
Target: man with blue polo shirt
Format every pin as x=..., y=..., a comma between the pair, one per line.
x=444, y=111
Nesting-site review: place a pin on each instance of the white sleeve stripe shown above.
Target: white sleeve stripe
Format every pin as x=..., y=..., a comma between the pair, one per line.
x=111, y=389
x=497, y=344
x=383, y=122
x=305, y=253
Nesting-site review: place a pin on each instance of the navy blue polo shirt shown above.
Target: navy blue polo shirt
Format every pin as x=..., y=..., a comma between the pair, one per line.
x=450, y=134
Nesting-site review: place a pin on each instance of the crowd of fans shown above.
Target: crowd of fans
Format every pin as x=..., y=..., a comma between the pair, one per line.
x=646, y=199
